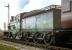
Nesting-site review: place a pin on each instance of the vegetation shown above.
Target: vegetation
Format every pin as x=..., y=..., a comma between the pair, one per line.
x=1, y=33
x=4, y=47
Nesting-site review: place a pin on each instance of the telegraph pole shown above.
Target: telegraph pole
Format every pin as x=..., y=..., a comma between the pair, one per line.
x=8, y=6
x=4, y=26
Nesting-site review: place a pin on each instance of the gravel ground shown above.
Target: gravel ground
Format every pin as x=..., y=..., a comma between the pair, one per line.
x=19, y=46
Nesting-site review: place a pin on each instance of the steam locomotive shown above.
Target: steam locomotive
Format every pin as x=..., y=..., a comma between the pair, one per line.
x=42, y=25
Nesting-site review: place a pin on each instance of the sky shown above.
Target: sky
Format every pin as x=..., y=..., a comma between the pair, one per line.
x=17, y=6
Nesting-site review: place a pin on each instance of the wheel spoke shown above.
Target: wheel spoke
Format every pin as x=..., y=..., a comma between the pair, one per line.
x=48, y=39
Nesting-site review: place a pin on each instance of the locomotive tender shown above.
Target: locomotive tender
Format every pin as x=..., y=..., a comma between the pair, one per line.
x=40, y=24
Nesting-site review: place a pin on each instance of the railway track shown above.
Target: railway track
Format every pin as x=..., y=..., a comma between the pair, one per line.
x=37, y=45
x=19, y=46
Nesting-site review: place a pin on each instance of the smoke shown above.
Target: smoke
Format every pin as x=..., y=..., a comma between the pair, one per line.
x=16, y=6
x=22, y=4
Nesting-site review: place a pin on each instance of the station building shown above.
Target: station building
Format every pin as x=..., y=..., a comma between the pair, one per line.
x=66, y=18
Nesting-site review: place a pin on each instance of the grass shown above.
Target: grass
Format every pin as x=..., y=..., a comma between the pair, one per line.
x=4, y=47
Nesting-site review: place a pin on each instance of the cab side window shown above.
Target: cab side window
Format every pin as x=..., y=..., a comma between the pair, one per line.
x=12, y=18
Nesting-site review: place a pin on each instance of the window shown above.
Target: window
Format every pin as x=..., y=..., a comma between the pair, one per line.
x=71, y=5
x=66, y=6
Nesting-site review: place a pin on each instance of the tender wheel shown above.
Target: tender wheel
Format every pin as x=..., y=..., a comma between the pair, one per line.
x=23, y=36
x=26, y=36
x=35, y=40
x=17, y=36
x=48, y=39
x=26, y=39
